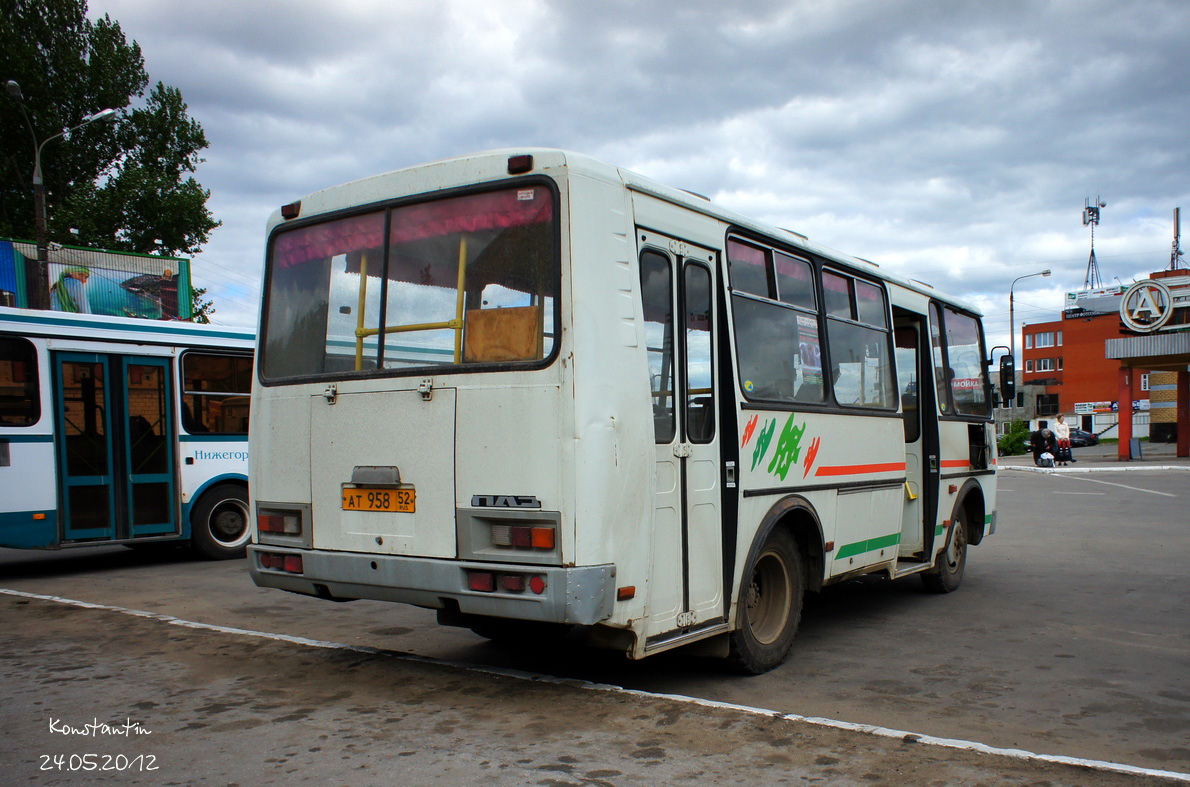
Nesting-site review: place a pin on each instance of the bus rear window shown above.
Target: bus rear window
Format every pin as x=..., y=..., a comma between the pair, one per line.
x=20, y=403
x=466, y=280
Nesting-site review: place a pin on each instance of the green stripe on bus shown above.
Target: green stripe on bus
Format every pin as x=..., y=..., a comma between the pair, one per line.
x=860, y=547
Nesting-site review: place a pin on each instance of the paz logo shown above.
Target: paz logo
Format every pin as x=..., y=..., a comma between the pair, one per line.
x=1146, y=306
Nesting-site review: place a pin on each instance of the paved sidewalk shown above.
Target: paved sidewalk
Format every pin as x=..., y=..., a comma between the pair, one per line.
x=1102, y=458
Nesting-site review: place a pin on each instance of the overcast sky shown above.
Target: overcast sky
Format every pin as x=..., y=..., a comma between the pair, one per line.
x=953, y=142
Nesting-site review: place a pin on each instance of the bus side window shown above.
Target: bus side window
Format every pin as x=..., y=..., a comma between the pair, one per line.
x=20, y=401
x=215, y=391
x=941, y=378
x=656, y=289
x=906, y=355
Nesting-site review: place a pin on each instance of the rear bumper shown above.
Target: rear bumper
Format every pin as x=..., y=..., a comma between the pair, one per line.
x=582, y=596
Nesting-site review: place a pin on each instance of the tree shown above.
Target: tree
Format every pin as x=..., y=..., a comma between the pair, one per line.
x=200, y=310
x=124, y=185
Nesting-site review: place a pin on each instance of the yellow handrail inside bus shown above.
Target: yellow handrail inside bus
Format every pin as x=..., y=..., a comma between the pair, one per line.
x=456, y=324
x=359, y=319
x=459, y=301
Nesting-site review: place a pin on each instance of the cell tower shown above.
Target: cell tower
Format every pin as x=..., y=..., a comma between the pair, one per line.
x=1175, y=254
x=1091, y=218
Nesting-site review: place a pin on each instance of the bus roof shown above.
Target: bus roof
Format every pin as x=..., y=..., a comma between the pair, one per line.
x=36, y=322
x=491, y=165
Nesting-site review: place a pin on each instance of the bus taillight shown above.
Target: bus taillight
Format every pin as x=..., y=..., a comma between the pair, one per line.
x=288, y=524
x=291, y=564
x=489, y=581
x=523, y=537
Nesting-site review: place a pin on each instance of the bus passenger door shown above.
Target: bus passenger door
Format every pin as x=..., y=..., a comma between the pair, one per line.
x=921, y=435
x=82, y=404
x=686, y=580
x=115, y=446
x=148, y=440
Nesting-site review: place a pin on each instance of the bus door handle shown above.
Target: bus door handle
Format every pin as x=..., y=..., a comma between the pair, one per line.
x=933, y=463
x=682, y=450
x=729, y=475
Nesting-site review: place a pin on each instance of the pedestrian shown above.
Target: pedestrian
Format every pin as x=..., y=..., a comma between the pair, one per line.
x=1042, y=444
x=1062, y=434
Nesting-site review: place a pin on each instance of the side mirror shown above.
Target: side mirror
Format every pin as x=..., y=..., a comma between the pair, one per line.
x=1007, y=380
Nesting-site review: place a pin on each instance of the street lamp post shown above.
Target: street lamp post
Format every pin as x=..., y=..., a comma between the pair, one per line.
x=1011, y=315
x=39, y=290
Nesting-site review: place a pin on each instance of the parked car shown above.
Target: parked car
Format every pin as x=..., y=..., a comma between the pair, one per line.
x=1080, y=438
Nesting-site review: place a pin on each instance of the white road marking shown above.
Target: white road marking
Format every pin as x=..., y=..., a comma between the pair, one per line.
x=1079, y=493
x=870, y=729
x=1122, y=486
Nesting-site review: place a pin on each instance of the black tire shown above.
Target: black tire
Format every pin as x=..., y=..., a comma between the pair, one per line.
x=219, y=524
x=771, y=598
x=947, y=574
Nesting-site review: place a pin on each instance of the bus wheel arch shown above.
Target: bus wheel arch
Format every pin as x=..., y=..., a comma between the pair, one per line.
x=786, y=552
x=966, y=530
x=220, y=523
x=971, y=502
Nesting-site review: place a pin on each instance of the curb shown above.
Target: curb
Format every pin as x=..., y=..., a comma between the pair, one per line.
x=1061, y=470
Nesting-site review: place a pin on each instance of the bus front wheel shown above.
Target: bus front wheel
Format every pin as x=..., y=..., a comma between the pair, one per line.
x=946, y=576
x=219, y=524
x=770, y=605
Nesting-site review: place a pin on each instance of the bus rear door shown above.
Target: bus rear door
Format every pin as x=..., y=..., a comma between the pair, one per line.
x=686, y=588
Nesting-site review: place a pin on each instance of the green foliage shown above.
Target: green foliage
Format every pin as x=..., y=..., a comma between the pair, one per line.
x=126, y=184
x=200, y=310
x=1012, y=442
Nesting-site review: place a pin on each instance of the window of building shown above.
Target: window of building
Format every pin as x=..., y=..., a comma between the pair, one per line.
x=1059, y=343
x=1045, y=364
x=1044, y=339
x=1059, y=364
x=1144, y=382
x=1047, y=404
x=1028, y=366
x=1028, y=341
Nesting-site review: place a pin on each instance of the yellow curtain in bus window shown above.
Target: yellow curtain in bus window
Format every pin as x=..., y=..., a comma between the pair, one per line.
x=508, y=334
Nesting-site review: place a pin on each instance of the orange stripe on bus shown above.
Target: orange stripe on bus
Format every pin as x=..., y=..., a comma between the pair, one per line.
x=887, y=467
x=956, y=462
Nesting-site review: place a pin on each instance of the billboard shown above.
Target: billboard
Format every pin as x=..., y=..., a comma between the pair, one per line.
x=116, y=284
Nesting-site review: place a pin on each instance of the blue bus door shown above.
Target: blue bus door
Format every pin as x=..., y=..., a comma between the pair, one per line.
x=115, y=447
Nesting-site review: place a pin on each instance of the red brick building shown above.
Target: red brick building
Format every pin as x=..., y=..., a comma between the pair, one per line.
x=1108, y=351
x=1063, y=364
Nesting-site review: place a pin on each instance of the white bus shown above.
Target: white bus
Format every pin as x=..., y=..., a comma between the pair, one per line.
x=123, y=431
x=528, y=387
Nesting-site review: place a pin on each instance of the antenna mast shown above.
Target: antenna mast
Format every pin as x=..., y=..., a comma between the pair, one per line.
x=1175, y=255
x=1091, y=218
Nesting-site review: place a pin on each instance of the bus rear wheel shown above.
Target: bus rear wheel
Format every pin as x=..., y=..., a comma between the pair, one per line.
x=770, y=605
x=946, y=576
x=219, y=524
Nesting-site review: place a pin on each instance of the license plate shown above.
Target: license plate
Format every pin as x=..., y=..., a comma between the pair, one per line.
x=379, y=499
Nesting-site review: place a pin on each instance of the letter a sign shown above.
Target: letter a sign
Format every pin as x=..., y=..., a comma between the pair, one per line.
x=1146, y=306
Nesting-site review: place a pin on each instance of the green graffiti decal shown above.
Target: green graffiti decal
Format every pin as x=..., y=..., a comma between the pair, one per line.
x=762, y=441
x=788, y=449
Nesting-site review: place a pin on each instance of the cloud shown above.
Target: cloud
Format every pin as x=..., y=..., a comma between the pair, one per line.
x=953, y=142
